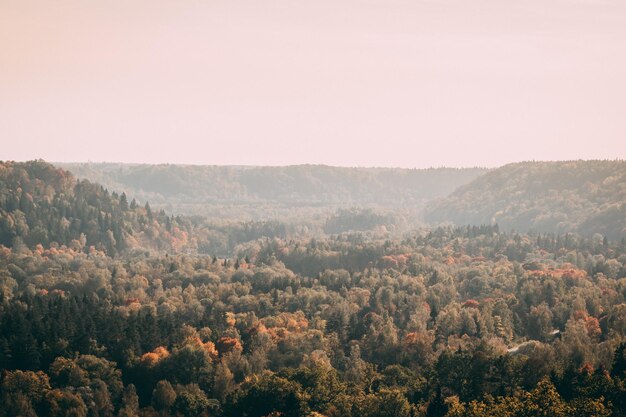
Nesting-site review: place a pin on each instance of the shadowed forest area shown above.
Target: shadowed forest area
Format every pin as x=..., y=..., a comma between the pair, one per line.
x=170, y=290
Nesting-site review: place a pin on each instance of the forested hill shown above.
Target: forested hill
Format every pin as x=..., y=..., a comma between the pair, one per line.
x=447, y=322
x=42, y=204
x=587, y=197
x=299, y=184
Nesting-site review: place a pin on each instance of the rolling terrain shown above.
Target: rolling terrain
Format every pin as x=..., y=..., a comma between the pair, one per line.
x=109, y=307
x=585, y=197
x=289, y=193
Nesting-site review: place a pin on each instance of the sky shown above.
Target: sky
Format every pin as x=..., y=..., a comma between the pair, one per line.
x=402, y=83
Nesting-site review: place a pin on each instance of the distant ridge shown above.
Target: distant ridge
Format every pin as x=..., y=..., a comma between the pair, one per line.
x=288, y=184
x=587, y=197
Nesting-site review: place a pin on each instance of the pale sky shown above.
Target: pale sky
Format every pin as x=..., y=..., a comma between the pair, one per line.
x=410, y=83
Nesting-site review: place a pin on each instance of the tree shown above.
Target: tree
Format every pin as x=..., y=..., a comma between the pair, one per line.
x=101, y=399
x=192, y=401
x=123, y=202
x=320, y=384
x=148, y=211
x=189, y=364
x=62, y=403
x=544, y=400
x=23, y=393
x=224, y=381
x=130, y=402
x=385, y=403
x=163, y=396
x=540, y=322
x=267, y=393
x=619, y=362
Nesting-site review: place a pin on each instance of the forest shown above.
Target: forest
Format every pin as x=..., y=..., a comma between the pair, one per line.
x=296, y=194
x=586, y=197
x=112, y=307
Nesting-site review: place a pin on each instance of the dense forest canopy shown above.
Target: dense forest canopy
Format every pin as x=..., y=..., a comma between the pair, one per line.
x=110, y=307
x=558, y=197
x=41, y=204
x=586, y=197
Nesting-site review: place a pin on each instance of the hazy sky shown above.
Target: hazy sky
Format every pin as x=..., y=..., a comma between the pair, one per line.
x=413, y=83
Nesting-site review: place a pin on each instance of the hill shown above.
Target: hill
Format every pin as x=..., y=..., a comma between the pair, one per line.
x=587, y=197
x=42, y=204
x=289, y=192
x=444, y=322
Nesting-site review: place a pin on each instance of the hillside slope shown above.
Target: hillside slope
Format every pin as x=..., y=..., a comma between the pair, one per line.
x=573, y=196
x=42, y=204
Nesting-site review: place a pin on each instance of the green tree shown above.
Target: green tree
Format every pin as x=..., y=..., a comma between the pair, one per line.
x=163, y=396
x=263, y=394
